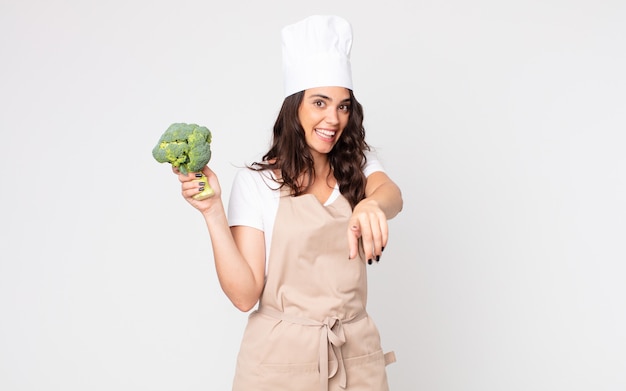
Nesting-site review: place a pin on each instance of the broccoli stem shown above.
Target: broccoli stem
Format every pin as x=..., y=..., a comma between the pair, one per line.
x=207, y=192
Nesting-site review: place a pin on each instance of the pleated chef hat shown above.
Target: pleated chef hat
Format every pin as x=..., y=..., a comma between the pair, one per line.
x=316, y=53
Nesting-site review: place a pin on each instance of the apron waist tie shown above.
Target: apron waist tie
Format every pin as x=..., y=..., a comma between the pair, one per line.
x=332, y=338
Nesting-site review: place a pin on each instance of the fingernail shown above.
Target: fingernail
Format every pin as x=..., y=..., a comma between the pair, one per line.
x=369, y=261
x=201, y=183
x=378, y=258
x=201, y=189
x=382, y=248
x=198, y=175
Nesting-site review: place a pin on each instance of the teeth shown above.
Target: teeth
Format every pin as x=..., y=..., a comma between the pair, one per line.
x=327, y=133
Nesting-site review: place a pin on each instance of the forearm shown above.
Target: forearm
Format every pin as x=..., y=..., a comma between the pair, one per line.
x=388, y=197
x=235, y=274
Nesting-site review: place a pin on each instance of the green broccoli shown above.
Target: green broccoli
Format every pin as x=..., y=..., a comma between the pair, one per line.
x=187, y=147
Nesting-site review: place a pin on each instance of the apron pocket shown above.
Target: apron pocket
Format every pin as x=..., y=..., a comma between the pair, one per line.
x=367, y=372
x=292, y=377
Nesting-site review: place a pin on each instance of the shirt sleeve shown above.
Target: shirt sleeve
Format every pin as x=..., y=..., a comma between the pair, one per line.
x=245, y=205
x=372, y=164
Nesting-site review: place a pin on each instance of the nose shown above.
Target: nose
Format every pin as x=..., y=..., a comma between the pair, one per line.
x=332, y=118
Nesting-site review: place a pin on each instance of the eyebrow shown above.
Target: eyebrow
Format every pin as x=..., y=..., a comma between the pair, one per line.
x=347, y=100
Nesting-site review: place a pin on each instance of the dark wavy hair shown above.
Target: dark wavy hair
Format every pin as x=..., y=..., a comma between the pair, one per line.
x=290, y=154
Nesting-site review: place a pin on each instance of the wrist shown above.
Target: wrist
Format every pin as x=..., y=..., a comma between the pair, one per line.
x=214, y=210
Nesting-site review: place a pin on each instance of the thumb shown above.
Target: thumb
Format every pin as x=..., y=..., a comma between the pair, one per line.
x=354, y=233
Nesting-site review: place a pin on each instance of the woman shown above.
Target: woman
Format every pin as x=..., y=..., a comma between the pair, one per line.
x=318, y=195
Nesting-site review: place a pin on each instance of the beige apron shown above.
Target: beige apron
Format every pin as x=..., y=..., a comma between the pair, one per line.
x=311, y=331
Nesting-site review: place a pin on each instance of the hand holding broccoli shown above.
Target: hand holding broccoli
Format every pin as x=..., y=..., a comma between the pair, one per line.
x=188, y=148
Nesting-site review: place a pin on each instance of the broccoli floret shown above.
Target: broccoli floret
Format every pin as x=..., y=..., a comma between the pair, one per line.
x=187, y=147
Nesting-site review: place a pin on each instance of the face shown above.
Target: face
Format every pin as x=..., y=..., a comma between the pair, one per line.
x=323, y=114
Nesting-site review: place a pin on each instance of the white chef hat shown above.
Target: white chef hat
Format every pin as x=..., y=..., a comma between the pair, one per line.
x=316, y=53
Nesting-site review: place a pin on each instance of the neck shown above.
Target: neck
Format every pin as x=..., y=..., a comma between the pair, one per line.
x=322, y=166
x=323, y=173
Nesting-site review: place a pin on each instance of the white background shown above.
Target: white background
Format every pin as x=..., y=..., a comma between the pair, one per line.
x=502, y=121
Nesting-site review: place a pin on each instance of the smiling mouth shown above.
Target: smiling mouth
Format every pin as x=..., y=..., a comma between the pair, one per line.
x=325, y=134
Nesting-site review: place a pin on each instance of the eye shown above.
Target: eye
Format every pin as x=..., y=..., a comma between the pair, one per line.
x=344, y=108
x=318, y=103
